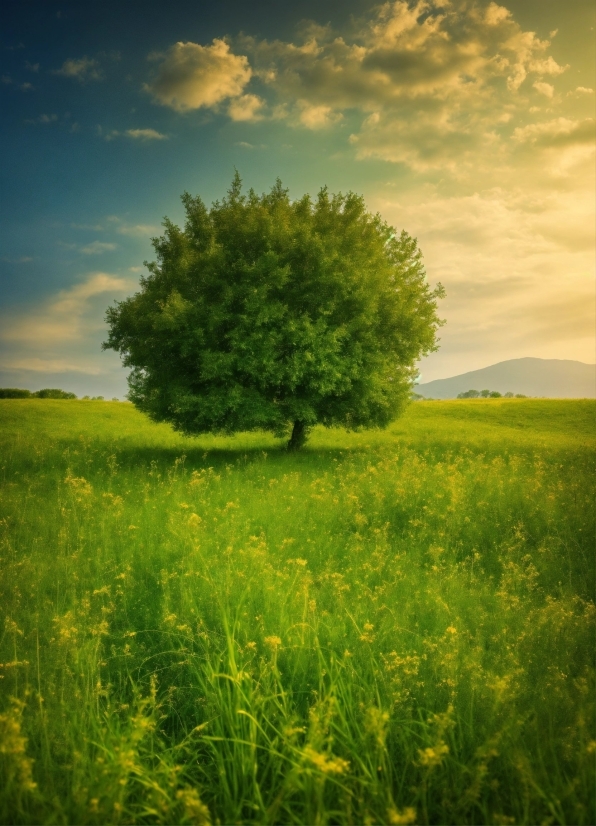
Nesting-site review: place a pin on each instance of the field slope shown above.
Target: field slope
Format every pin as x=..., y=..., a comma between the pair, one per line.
x=390, y=627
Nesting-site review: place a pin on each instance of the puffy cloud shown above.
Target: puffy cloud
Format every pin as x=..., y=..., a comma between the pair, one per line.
x=546, y=89
x=82, y=69
x=444, y=51
x=191, y=76
x=317, y=117
x=246, y=107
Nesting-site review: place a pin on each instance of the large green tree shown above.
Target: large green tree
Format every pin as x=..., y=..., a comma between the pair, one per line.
x=267, y=313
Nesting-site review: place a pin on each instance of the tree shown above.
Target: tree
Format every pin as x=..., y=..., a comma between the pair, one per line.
x=267, y=313
x=54, y=393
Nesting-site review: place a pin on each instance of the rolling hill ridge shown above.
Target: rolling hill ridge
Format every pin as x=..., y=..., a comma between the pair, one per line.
x=549, y=378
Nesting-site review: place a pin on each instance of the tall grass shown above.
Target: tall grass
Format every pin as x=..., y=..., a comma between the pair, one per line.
x=390, y=627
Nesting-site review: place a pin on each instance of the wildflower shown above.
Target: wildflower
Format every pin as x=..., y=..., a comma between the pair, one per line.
x=403, y=818
x=194, y=808
x=451, y=630
x=367, y=636
x=251, y=646
x=326, y=763
x=433, y=756
x=12, y=747
x=194, y=520
x=273, y=642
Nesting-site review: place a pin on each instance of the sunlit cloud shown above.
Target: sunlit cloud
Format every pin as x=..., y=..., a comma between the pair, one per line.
x=191, y=76
x=68, y=316
x=246, y=107
x=557, y=132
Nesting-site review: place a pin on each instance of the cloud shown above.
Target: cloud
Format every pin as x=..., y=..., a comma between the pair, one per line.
x=317, y=117
x=191, y=76
x=66, y=317
x=139, y=230
x=145, y=135
x=514, y=263
x=44, y=365
x=43, y=119
x=246, y=107
x=97, y=247
x=6, y=80
x=559, y=132
x=82, y=69
x=546, y=89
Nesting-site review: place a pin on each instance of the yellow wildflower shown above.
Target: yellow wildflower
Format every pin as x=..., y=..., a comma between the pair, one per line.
x=403, y=818
x=326, y=763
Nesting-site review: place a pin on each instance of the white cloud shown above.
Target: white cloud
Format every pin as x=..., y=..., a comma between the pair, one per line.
x=192, y=76
x=82, y=69
x=97, y=247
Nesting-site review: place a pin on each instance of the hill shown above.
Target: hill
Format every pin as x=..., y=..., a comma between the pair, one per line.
x=551, y=378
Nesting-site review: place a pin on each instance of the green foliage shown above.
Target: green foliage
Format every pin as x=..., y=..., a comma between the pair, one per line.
x=47, y=393
x=269, y=314
x=484, y=394
x=14, y=393
x=390, y=627
x=52, y=393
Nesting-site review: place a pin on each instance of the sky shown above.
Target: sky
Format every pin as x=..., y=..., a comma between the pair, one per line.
x=469, y=124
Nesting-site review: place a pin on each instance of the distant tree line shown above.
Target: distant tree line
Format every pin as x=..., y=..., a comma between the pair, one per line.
x=46, y=393
x=489, y=394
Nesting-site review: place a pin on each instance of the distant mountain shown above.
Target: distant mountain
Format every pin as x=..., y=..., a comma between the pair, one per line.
x=551, y=378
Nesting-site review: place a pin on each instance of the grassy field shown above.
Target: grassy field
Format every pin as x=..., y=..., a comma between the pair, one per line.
x=390, y=627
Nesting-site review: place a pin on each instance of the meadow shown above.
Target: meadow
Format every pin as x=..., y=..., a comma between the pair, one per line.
x=387, y=627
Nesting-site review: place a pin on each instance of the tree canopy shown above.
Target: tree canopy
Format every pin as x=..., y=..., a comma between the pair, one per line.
x=268, y=313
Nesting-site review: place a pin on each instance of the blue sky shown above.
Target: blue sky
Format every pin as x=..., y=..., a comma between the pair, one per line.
x=469, y=124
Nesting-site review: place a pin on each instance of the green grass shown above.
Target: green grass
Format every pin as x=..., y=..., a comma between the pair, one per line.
x=389, y=627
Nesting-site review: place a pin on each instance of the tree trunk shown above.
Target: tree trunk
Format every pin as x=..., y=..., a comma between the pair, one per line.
x=299, y=435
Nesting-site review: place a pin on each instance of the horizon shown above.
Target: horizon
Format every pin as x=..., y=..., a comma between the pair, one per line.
x=469, y=125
